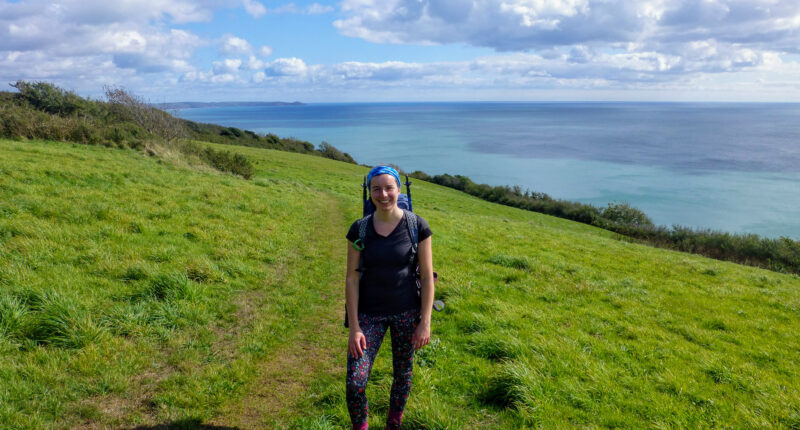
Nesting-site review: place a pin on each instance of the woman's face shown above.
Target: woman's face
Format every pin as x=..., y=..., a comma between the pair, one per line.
x=384, y=191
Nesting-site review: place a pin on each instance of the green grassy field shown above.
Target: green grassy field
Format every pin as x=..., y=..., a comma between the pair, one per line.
x=135, y=292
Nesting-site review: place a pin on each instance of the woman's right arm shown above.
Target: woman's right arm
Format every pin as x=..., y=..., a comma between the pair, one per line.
x=357, y=342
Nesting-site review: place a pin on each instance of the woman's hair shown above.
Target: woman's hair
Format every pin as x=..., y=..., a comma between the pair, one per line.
x=383, y=170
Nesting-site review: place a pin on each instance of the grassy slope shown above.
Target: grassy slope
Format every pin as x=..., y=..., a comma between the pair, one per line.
x=188, y=292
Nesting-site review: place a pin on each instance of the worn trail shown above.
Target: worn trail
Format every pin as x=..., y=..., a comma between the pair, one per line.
x=284, y=376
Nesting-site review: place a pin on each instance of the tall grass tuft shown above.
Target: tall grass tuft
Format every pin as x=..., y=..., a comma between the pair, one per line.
x=509, y=261
x=495, y=347
x=510, y=388
x=167, y=287
x=13, y=317
x=60, y=321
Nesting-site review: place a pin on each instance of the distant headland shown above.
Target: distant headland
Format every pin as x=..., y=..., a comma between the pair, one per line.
x=190, y=105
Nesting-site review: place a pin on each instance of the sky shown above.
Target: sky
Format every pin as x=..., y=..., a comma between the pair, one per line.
x=408, y=50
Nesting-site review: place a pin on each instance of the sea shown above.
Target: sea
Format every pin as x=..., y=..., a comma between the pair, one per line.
x=732, y=167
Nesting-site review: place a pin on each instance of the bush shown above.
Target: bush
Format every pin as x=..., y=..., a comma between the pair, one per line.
x=625, y=214
x=128, y=107
x=223, y=161
x=329, y=151
x=49, y=98
x=781, y=254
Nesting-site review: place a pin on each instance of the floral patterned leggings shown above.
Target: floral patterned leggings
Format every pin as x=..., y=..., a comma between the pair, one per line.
x=402, y=328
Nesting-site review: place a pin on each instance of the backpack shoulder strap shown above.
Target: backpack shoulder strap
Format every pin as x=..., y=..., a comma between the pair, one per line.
x=412, y=224
x=360, y=244
x=363, y=223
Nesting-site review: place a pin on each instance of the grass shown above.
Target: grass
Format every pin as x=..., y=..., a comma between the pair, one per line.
x=136, y=292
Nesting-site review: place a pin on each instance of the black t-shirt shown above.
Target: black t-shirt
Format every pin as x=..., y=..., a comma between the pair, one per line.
x=388, y=284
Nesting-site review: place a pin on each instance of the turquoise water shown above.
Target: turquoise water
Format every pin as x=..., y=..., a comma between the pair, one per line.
x=729, y=167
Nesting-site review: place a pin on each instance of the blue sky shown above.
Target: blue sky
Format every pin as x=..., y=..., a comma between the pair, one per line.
x=408, y=50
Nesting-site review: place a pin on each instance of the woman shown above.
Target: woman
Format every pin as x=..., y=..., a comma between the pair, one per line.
x=384, y=295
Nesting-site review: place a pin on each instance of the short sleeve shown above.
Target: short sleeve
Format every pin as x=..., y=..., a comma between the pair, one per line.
x=352, y=234
x=424, y=229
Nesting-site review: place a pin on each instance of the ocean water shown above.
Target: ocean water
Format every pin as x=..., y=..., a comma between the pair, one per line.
x=733, y=167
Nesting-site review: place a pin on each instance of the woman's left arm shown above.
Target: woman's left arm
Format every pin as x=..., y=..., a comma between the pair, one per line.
x=422, y=335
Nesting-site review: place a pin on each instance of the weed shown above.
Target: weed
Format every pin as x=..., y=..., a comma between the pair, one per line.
x=202, y=271
x=426, y=357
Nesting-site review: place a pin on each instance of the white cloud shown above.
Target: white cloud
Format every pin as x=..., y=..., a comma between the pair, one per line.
x=576, y=45
x=127, y=41
x=318, y=9
x=387, y=71
x=88, y=43
x=254, y=8
x=265, y=51
x=719, y=30
x=254, y=63
x=259, y=77
x=227, y=66
x=235, y=45
x=312, y=9
x=286, y=67
x=287, y=8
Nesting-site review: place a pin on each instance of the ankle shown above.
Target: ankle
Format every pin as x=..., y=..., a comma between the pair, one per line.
x=394, y=419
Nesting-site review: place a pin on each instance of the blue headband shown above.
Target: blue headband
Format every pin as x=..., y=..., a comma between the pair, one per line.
x=383, y=170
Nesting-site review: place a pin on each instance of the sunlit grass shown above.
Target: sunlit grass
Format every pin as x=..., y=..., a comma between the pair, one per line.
x=157, y=289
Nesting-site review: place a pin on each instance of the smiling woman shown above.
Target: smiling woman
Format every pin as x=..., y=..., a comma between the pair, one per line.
x=381, y=295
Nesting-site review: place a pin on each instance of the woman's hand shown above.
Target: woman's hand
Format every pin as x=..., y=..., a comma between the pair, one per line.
x=422, y=334
x=357, y=343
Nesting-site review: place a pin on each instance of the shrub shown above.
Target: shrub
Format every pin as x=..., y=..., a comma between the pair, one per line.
x=49, y=98
x=226, y=161
x=329, y=151
x=781, y=254
x=156, y=122
x=625, y=214
x=231, y=131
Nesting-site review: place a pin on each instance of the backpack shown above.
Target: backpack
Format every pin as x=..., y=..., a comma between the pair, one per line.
x=412, y=224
